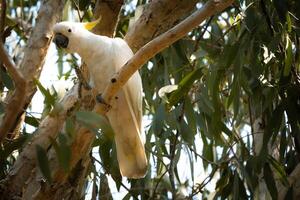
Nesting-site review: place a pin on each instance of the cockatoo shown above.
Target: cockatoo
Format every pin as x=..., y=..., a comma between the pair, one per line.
x=104, y=57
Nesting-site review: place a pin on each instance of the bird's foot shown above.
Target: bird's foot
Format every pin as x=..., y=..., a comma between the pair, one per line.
x=100, y=100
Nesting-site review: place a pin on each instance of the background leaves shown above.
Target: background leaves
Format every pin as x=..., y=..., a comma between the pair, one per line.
x=237, y=77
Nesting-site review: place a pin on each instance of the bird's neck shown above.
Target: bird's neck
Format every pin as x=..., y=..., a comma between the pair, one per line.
x=91, y=45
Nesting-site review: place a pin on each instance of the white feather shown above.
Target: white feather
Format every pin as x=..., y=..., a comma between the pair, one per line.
x=105, y=56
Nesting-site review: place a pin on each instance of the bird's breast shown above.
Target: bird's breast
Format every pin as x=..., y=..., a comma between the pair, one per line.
x=100, y=75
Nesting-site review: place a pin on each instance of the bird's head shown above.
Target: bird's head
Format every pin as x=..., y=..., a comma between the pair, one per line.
x=67, y=34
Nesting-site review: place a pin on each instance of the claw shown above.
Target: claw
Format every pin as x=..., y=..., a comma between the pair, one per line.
x=100, y=100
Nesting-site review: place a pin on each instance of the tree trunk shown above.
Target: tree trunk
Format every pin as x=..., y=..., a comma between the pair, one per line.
x=24, y=170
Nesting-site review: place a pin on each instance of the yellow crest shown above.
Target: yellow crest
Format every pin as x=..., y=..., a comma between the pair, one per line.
x=90, y=25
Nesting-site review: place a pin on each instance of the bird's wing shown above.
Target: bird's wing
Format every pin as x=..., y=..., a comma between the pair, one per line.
x=133, y=93
x=125, y=118
x=130, y=147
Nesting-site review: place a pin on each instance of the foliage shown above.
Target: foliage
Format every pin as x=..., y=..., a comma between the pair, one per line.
x=237, y=68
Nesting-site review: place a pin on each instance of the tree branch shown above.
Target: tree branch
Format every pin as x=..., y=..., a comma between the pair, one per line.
x=108, y=10
x=37, y=46
x=48, y=128
x=293, y=177
x=84, y=140
x=157, y=45
x=16, y=102
x=2, y=19
x=82, y=143
x=158, y=16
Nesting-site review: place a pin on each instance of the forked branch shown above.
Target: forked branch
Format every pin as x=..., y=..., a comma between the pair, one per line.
x=16, y=102
x=157, y=45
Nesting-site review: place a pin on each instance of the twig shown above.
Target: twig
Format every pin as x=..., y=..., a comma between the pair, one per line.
x=202, y=157
x=157, y=183
x=2, y=19
x=202, y=33
x=268, y=19
x=200, y=186
x=156, y=45
x=78, y=11
x=173, y=151
x=171, y=166
x=16, y=102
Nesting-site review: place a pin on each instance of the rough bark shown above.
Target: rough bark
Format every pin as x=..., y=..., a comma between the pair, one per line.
x=37, y=47
x=109, y=12
x=157, y=17
x=261, y=190
x=147, y=52
x=27, y=170
x=35, y=188
x=16, y=102
x=82, y=143
x=17, y=178
x=157, y=45
x=34, y=56
x=38, y=44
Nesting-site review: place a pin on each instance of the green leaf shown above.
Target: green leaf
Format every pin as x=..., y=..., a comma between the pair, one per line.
x=49, y=98
x=272, y=128
x=289, y=22
x=230, y=53
x=223, y=181
x=63, y=151
x=83, y=4
x=70, y=127
x=43, y=162
x=186, y=132
x=1, y=107
x=190, y=115
x=251, y=173
x=105, y=146
x=94, y=121
x=227, y=189
x=32, y=121
x=159, y=118
x=281, y=8
x=239, y=191
x=6, y=79
x=208, y=153
x=184, y=86
x=270, y=181
x=60, y=62
x=283, y=144
x=114, y=168
x=288, y=57
x=236, y=186
x=13, y=145
x=279, y=169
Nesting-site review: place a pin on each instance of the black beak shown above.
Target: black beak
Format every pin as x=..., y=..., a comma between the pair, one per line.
x=61, y=41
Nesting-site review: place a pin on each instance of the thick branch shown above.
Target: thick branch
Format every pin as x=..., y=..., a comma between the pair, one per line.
x=16, y=102
x=35, y=52
x=157, y=45
x=82, y=143
x=145, y=54
x=2, y=19
x=84, y=138
x=157, y=17
x=49, y=127
x=109, y=12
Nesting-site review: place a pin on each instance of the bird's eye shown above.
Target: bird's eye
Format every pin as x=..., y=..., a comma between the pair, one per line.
x=69, y=30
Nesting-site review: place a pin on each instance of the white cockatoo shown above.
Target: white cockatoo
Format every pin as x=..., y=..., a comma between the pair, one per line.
x=104, y=57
